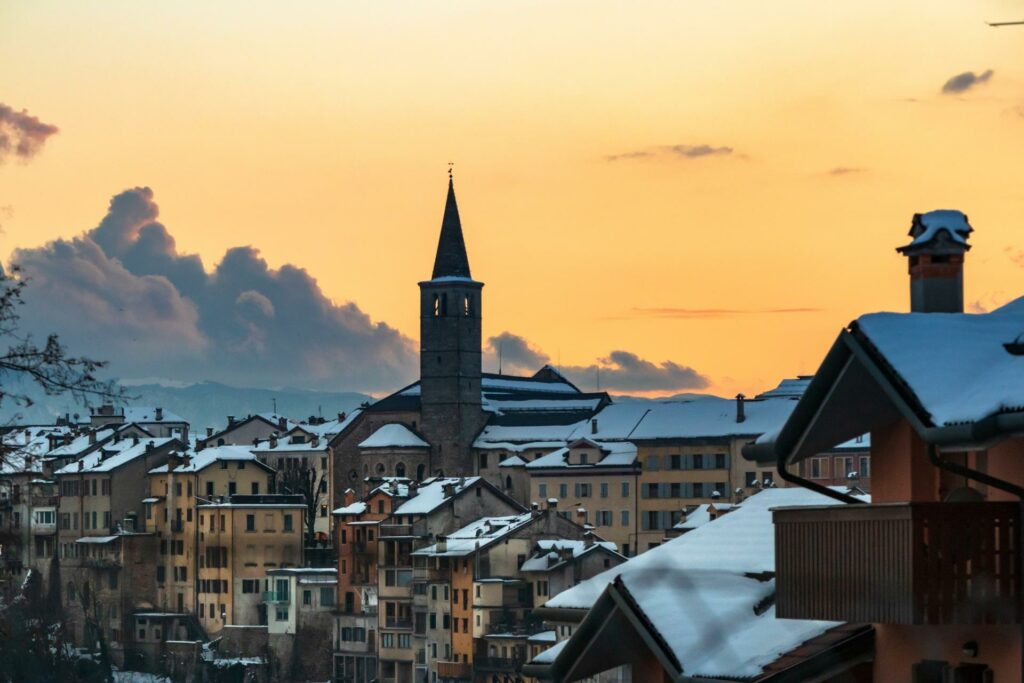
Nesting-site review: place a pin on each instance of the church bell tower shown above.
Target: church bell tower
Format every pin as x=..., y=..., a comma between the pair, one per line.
x=450, y=351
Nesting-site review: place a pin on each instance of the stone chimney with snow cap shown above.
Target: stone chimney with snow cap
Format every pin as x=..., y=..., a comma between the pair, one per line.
x=935, y=258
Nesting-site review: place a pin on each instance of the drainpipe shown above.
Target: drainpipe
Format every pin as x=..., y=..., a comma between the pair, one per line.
x=813, y=486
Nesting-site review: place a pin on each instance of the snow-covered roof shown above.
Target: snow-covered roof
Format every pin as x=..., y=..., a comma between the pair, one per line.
x=549, y=553
x=431, y=495
x=955, y=364
x=524, y=437
x=613, y=454
x=96, y=539
x=549, y=655
x=112, y=455
x=927, y=227
x=712, y=623
x=512, y=461
x=393, y=435
x=476, y=535
x=793, y=387
x=210, y=455
x=330, y=428
x=356, y=508
x=81, y=443
x=543, y=637
x=701, y=515
x=742, y=541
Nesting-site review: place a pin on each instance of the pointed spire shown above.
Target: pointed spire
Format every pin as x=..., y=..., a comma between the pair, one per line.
x=451, y=259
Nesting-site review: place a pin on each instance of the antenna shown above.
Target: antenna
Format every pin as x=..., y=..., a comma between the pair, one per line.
x=451, y=166
x=499, y=357
x=274, y=401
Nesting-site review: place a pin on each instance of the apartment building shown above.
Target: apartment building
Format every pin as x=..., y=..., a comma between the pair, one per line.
x=241, y=538
x=155, y=421
x=176, y=489
x=479, y=598
x=357, y=540
x=303, y=460
x=106, y=558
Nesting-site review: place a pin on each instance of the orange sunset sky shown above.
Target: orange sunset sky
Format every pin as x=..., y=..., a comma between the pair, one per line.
x=716, y=184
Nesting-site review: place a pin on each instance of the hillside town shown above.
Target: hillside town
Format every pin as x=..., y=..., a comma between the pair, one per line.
x=859, y=524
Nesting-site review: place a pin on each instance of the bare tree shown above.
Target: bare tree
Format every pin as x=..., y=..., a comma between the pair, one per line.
x=49, y=366
x=305, y=481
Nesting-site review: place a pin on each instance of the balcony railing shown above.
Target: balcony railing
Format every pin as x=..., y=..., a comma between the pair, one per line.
x=390, y=622
x=910, y=563
x=497, y=664
x=455, y=670
x=101, y=562
x=395, y=530
x=44, y=501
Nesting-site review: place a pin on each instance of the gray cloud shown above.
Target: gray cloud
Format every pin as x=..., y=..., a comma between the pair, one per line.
x=845, y=170
x=21, y=134
x=965, y=81
x=625, y=371
x=672, y=152
x=620, y=371
x=123, y=292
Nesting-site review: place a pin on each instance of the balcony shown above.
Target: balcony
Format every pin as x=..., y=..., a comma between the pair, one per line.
x=905, y=563
x=44, y=501
x=101, y=562
x=44, y=528
x=396, y=530
x=401, y=624
x=275, y=598
x=497, y=664
x=455, y=670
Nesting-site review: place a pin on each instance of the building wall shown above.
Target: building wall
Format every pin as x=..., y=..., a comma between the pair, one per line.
x=547, y=484
x=350, y=468
x=898, y=648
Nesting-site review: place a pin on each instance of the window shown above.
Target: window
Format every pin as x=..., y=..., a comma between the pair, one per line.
x=625, y=489
x=624, y=517
x=652, y=462
x=405, y=640
x=209, y=488
x=281, y=614
x=563, y=490
x=817, y=468
x=327, y=597
x=250, y=586
x=483, y=461
x=604, y=518
x=750, y=479
x=769, y=478
x=307, y=598
x=250, y=522
x=542, y=490
x=583, y=490
x=720, y=461
x=698, y=461
x=255, y=487
x=288, y=523
x=604, y=490
x=232, y=488
x=865, y=466
x=387, y=639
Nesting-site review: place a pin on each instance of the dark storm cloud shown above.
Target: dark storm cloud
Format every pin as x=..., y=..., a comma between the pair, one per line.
x=625, y=371
x=965, y=81
x=21, y=134
x=673, y=152
x=123, y=292
x=620, y=371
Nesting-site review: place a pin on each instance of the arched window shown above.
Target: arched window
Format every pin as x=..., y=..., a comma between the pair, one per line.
x=444, y=305
x=400, y=469
x=420, y=471
x=437, y=305
x=380, y=468
x=508, y=483
x=467, y=305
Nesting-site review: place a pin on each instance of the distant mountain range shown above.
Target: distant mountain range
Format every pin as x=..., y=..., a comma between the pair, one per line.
x=204, y=404
x=207, y=404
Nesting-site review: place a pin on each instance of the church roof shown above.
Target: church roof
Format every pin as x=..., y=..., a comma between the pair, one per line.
x=451, y=259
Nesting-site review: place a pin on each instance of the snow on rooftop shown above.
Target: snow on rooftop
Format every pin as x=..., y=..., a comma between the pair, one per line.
x=512, y=461
x=476, y=535
x=548, y=553
x=112, y=455
x=927, y=226
x=356, y=508
x=701, y=515
x=393, y=435
x=742, y=541
x=81, y=443
x=432, y=495
x=208, y=456
x=613, y=454
x=548, y=656
x=954, y=363
x=708, y=619
x=147, y=415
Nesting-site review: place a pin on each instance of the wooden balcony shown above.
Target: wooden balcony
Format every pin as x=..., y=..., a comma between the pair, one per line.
x=455, y=671
x=903, y=563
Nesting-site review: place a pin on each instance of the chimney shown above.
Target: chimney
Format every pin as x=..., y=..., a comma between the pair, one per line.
x=186, y=460
x=135, y=440
x=588, y=539
x=552, y=503
x=448, y=489
x=442, y=544
x=273, y=440
x=741, y=413
x=282, y=424
x=535, y=506
x=159, y=413
x=935, y=261
x=349, y=497
x=92, y=437
x=231, y=420
x=81, y=465
x=150, y=446
x=315, y=442
x=593, y=426
x=341, y=417
x=209, y=432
